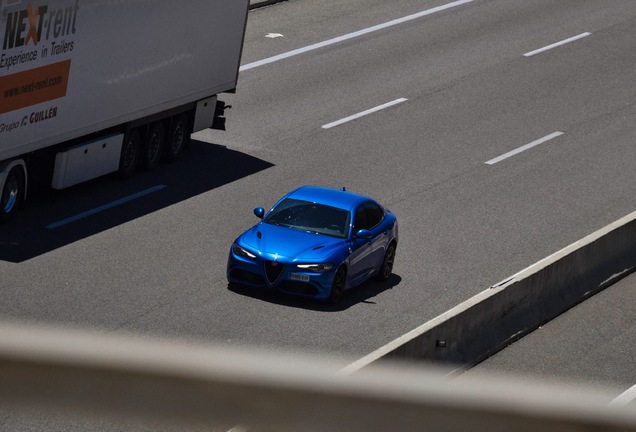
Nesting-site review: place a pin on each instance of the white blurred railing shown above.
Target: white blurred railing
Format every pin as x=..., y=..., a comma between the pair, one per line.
x=129, y=378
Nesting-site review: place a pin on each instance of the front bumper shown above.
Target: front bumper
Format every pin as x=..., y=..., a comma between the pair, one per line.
x=279, y=273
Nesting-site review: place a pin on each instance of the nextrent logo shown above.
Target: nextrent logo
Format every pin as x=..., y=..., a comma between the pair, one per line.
x=36, y=23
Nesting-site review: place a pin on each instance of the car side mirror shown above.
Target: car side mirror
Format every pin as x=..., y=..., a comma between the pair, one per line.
x=364, y=234
x=259, y=212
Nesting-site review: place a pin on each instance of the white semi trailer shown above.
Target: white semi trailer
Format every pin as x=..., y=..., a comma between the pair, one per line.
x=91, y=87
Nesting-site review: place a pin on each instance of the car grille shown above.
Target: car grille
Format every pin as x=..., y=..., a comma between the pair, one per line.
x=273, y=271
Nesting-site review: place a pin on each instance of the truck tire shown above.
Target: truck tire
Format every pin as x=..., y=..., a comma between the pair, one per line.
x=178, y=139
x=130, y=150
x=12, y=194
x=153, y=146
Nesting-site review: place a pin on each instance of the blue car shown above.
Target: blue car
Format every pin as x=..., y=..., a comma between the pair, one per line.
x=316, y=242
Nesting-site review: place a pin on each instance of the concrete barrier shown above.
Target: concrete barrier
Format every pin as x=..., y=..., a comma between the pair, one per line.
x=494, y=318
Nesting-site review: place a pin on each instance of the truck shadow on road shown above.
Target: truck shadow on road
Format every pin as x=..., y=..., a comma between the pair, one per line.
x=364, y=293
x=51, y=220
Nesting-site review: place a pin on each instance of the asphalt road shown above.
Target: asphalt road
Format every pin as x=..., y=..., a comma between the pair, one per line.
x=156, y=264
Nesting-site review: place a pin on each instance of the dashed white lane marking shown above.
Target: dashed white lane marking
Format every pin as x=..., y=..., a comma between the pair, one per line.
x=523, y=148
x=105, y=207
x=554, y=45
x=364, y=113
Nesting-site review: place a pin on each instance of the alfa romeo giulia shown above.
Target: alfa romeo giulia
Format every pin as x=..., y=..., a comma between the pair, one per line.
x=316, y=242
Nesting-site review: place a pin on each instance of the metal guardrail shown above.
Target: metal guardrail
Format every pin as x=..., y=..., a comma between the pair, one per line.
x=127, y=378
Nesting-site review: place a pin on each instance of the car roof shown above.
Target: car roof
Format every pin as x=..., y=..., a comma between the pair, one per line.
x=328, y=196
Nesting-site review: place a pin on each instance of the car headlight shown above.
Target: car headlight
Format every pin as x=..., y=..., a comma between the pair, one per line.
x=318, y=268
x=242, y=252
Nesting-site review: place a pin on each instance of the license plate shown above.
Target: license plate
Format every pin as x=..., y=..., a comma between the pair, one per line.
x=300, y=277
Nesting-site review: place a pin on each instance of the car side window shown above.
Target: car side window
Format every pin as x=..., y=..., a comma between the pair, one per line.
x=374, y=214
x=368, y=216
x=360, y=219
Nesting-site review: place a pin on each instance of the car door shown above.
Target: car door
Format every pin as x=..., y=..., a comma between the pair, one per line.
x=379, y=238
x=365, y=251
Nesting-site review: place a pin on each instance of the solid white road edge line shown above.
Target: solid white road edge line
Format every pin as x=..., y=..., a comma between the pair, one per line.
x=401, y=340
x=626, y=397
x=363, y=113
x=105, y=207
x=524, y=148
x=352, y=35
x=554, y=45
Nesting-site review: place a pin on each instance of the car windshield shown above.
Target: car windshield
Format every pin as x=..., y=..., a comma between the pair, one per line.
x=310, y=217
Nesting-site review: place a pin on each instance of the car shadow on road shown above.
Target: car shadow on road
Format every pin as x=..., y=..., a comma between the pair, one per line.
x=49, y=223
x=364, y=293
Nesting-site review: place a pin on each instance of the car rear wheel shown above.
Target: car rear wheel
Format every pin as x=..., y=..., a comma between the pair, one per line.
x=337, y=286
x=387, y=264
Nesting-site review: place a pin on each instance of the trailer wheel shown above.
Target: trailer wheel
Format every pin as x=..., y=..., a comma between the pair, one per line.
x=129, y=154
x=12, y=194
x=178, y=139
x=153, y=146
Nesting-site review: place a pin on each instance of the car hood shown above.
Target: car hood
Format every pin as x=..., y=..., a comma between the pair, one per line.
x=289, y=242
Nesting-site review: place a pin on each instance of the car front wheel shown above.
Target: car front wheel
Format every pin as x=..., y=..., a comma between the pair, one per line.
x=337, y=286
